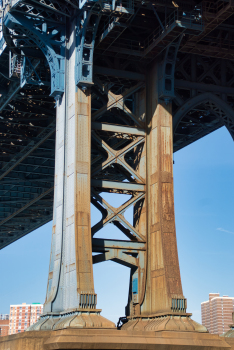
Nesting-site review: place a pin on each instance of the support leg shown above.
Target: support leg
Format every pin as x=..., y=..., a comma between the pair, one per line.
x=71, y=299
x=163, y=304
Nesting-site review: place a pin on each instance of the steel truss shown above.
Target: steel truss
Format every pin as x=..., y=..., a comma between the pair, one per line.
x=205, y=86
x=118, y=143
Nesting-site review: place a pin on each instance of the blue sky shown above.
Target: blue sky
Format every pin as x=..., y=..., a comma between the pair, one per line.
x=204, y=208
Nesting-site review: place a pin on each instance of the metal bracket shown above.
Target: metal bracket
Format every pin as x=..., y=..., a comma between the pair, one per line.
x=53, y=49
x=167, y=71
x=86, y=33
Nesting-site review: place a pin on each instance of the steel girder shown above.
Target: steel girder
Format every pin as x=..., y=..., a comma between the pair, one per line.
x=205, y=85
x=167, y=71
x=27, y=163
x=216, y=113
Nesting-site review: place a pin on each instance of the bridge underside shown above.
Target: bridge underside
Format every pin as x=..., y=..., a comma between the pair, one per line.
x=204, y=98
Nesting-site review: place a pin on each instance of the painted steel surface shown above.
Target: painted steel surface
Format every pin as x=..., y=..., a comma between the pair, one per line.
x=71, y=276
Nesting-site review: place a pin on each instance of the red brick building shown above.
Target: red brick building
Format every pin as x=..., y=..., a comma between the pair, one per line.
x=4, y=327
x=217, y=312
x=22, y=316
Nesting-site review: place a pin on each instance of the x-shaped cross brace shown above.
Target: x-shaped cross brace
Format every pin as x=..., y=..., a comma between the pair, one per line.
x=117, y=156
x=116, y=214
x=117, y=101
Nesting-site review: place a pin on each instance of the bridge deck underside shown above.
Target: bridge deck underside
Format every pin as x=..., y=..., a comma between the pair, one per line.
x=204, y=70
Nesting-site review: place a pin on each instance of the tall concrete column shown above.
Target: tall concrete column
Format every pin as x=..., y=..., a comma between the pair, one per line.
x=71, y=299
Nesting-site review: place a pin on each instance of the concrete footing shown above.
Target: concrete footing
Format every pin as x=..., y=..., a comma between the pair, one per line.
x=113, y=339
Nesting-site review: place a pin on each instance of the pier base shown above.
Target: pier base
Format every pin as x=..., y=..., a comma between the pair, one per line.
x=113, y=339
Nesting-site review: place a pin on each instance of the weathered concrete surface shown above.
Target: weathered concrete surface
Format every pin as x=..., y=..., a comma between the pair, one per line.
x=25, y=340
x=113, y=339
x=230, y=341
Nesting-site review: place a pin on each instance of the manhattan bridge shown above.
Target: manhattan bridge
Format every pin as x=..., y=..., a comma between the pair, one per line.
x=122, y=84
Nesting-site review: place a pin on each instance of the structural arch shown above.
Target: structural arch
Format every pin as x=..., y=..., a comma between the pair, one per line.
x=221, y=111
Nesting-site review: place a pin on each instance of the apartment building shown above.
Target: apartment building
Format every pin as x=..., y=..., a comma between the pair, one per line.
x=4, y=325
x=24, y=315
x=4, y=317
x=217, y=312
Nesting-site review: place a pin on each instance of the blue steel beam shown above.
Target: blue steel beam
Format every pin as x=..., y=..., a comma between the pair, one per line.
x=44, y=40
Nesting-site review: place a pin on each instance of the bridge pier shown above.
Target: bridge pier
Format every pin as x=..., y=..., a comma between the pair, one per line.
x=155, y=293
x=129, y=120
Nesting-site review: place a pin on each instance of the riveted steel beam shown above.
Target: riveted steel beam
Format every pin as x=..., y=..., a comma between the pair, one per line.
x=118, y=256
x=167, y=70
x=118, y=128
x=122, y=186
x=105, y=244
